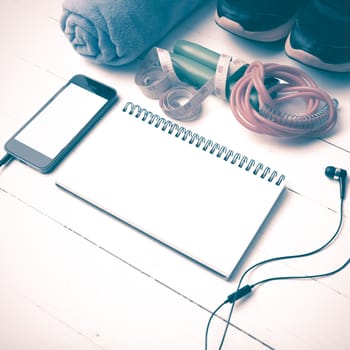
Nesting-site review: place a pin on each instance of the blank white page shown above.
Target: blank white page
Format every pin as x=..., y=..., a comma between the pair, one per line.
x=187, y=198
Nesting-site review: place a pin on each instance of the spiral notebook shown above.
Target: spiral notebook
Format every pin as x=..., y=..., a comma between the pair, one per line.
x=187, y=192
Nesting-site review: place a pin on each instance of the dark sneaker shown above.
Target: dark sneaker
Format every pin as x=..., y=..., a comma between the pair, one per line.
x=260, y=20
x=321, y=35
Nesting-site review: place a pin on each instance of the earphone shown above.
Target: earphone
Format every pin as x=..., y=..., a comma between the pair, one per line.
x=332, y=173
x=338, y=174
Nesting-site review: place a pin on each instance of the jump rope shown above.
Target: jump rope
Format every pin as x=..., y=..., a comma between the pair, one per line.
x=257, y=94
x=260, y=94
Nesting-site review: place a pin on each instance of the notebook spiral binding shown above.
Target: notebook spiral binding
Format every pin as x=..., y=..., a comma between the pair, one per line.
x=199, y=141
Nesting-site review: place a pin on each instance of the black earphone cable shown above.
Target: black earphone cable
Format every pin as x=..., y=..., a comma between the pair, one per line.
x=209, y=322
x=247, y=289
x=326, y=274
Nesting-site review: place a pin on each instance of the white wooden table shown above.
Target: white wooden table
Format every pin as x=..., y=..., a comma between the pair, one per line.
x=74, y=278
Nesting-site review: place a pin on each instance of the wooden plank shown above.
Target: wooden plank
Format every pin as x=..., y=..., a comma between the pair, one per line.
x=62, y=291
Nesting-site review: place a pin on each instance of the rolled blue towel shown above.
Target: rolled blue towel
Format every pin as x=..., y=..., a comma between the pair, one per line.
x=116, y=32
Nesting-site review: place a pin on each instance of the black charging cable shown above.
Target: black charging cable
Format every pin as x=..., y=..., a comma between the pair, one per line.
x=247, y=289
x=5, y=159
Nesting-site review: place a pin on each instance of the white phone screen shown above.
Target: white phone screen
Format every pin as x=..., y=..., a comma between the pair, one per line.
x=52, y=129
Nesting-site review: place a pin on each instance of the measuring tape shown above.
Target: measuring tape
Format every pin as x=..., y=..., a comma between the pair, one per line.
x=157, y=79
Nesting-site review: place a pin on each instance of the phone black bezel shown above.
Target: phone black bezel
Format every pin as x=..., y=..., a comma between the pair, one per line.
x=41, y=162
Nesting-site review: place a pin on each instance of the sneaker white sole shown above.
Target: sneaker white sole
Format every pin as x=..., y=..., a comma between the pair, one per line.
x=275, y=34
x=313, y=61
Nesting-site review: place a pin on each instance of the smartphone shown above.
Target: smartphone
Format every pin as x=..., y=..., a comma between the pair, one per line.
x=61, y=123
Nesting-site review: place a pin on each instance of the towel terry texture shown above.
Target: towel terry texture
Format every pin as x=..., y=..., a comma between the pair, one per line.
x=115, y=32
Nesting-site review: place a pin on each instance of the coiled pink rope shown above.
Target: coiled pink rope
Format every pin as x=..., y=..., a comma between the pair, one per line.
x=318, y=119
